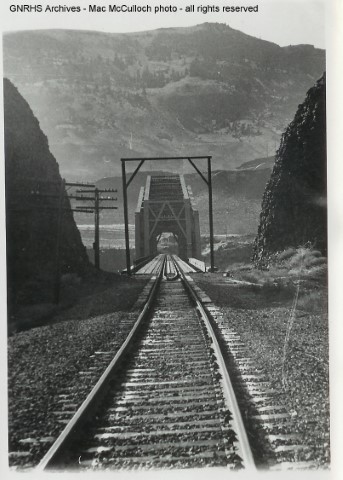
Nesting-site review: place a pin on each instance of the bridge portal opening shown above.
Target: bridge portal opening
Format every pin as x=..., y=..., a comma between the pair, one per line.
x=164, y=205
x=168, y=242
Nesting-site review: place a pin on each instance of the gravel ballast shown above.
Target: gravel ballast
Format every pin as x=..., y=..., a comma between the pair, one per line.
x=300, y=369
x=46, y=362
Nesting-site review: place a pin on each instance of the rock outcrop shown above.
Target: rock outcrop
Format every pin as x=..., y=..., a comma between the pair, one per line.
x=294, y=210
x=33, y=183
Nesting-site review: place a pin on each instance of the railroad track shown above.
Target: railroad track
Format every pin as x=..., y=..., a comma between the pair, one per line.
x=165, y=400
x=151, y=267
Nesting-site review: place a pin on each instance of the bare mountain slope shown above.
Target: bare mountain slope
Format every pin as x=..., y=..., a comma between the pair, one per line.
x=207, y=89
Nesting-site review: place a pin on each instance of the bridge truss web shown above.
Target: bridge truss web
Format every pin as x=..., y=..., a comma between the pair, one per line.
x=164, y=206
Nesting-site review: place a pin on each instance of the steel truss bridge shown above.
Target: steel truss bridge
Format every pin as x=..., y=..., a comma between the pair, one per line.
x=164, y=206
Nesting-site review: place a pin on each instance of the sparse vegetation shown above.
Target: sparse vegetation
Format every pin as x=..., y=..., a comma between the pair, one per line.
x=250, y=287
x=290, y=265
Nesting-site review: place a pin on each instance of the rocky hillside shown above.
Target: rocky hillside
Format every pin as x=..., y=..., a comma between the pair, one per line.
x=294, y=202
x=32, y=219
x=203, y=90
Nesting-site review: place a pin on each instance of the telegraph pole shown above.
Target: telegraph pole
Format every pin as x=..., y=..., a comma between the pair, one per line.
x=57, y=281
x=96, y=230
x=97, y=200
x=210, y=210
x=60, y=208
x=126, y=219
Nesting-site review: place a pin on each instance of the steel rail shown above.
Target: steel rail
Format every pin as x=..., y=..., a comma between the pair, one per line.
x=72, y=429
x=244, y=445
x=168, y=274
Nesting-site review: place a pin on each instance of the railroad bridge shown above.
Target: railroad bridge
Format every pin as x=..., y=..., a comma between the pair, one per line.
x=165, y=206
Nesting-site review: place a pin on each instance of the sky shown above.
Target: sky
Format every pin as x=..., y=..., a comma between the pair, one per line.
x=285, y=23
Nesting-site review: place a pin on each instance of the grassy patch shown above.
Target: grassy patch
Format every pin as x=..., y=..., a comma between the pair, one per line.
x=246, y=297
x=276, y=286
x=289, y=266
x=314, y=302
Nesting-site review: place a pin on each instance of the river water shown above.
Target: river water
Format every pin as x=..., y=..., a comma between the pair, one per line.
x=111, y=236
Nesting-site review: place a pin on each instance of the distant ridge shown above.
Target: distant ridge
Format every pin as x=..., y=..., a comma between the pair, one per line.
x=175, y=91
x=258, y=164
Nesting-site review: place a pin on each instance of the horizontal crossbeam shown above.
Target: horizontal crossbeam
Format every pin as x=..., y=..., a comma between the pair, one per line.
x=164, y=158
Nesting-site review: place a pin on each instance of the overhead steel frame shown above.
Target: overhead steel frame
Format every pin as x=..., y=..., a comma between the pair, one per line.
x=126, y=184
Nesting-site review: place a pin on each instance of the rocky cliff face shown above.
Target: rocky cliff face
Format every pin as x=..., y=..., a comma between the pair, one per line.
x=294, y=202
x=31, y=219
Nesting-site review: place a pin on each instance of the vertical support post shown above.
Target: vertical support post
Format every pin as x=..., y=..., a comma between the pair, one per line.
x=146, y=229
x=197, y=241
x=126, y=219
x=139, y=224
x=96, y=230
x=146, y=218
x=210, y=210
x=138, y=235
x=188, y=225
x=57, y=282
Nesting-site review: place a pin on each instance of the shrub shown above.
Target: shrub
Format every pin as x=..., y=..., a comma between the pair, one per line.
x=286, y=254
x=314, y=302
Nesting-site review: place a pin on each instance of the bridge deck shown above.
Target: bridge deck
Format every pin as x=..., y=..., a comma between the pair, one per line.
x=152, y=266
